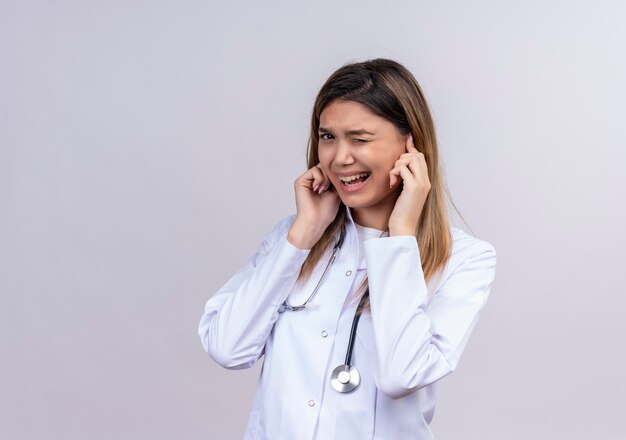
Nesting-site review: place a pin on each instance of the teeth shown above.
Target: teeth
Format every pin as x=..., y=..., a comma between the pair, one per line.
x=351, y=178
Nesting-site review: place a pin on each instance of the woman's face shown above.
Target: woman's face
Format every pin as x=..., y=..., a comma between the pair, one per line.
x=357, y=149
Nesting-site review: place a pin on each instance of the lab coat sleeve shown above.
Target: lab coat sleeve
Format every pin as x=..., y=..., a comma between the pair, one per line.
x=418, y=343
x=238, y=319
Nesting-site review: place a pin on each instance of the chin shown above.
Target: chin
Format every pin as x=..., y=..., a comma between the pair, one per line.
x=352, y=202
x=369, y=200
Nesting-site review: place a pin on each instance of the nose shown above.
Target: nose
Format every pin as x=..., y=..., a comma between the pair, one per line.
x=343, y=154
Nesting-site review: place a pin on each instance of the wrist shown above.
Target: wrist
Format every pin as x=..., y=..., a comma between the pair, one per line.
x=303, y=235
x=402, y=230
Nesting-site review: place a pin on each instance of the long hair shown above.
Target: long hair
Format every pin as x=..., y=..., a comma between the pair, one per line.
x=389, y=90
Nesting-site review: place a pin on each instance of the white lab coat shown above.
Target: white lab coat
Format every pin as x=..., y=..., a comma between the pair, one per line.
x=413, y=337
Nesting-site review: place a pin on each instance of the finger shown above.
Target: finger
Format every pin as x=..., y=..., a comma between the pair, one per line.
x=403, y=159
x=326, y=183
x=418, y=167
x=406, y=159
x=323, y=182
x=410, y=145
x=406, y=174
x=401, y=171
x=317, y=178
x=409, y=155
x=393, y=176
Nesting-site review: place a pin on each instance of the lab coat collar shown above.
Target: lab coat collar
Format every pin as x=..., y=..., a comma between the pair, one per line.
x=349, y=216
x=348, y=212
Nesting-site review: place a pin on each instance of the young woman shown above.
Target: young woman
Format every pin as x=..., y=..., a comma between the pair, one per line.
x=367, y=296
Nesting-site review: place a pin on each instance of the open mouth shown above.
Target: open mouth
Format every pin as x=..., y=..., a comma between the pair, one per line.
x=354, y=180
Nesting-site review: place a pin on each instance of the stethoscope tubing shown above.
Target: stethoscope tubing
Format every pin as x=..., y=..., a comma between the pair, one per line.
x=331, y=260
x=355, y=325
x=344, y=378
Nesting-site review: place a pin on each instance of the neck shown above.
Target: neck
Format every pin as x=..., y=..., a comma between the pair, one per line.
x=372, y=218
x=377, y=215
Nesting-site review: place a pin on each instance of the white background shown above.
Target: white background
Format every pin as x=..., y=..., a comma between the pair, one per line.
x=146, y=147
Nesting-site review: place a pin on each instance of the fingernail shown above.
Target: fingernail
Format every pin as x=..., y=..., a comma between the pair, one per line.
x=322, y=188
x=315, y=188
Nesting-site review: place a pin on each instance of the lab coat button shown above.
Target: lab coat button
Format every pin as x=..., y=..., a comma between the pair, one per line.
x=311, y=402
x=348, y=273
x=324, y=333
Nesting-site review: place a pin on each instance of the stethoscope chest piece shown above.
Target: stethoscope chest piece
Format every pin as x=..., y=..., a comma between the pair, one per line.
x=345, y=378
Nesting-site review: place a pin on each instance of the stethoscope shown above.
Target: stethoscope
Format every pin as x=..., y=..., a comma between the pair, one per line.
x=344, y=378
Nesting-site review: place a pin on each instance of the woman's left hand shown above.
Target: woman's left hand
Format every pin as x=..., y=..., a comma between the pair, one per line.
x=412, y=169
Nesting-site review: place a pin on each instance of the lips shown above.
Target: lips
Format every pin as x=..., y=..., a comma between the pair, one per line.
x=355, y=178
x=353, y=182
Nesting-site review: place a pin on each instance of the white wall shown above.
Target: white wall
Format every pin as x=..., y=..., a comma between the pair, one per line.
x=145, y=147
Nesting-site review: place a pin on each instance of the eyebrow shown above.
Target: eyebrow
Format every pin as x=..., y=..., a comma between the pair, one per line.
x=352, y=132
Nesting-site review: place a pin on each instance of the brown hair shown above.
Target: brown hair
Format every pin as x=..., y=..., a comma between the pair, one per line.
x=389, y=90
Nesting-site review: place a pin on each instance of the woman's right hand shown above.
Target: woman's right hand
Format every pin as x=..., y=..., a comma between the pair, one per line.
x=316, y=208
